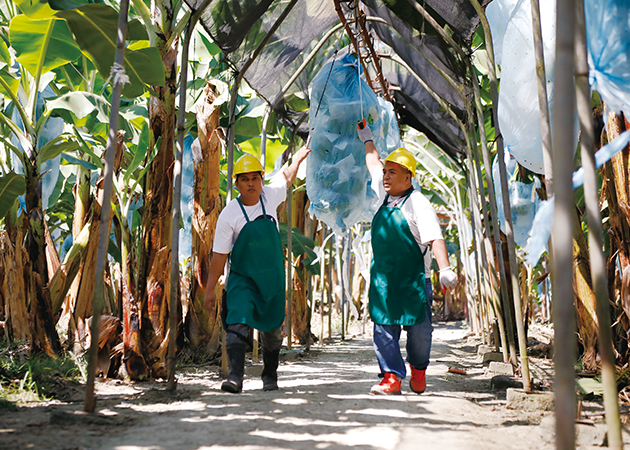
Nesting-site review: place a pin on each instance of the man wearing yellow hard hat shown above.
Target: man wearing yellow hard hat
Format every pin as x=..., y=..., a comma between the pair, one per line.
x=247, y=229
x=403, y=230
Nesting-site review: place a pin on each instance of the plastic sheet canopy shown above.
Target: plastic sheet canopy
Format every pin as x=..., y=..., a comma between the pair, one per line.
x=519, y=113
x=337, y=179
x=608, y=40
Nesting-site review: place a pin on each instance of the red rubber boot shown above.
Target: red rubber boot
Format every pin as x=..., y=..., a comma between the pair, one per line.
x=389, y=386
x=418, y=380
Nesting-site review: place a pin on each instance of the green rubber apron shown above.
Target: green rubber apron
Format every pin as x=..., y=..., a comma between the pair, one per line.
x=256, y=284
x=397, y=281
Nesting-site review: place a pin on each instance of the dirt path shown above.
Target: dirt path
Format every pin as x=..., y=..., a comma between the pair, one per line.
x=323, y=404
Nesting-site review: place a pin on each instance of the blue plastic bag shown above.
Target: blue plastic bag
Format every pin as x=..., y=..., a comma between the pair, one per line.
x=337, y=179
x=608, y=40
x=524, y=201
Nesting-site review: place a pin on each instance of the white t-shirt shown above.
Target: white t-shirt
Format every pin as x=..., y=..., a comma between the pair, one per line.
x=231, y=220
x=420, y=215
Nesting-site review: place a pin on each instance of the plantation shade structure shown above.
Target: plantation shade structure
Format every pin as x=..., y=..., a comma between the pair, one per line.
x=278, y=47
x=238, y=28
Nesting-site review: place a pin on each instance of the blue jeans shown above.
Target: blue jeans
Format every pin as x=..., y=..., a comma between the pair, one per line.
x=387, y=346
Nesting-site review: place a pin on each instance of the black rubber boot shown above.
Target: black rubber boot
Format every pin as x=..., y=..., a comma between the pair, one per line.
x=270, y=370
x=236, y=361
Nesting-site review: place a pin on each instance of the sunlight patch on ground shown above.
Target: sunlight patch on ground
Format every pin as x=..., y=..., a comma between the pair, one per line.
x=377, y=437
x=381, y=398
x=161, y=407
x=138, y=447
x=236, y=447
x=227, y=418
x=290, y=401
x=302, y=382
x=385, y=413
x=299, y=421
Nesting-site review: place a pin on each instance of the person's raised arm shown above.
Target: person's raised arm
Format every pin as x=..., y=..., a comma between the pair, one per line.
x=291, y=172
x=217, y=265
x=448, y=278
x=372, y=159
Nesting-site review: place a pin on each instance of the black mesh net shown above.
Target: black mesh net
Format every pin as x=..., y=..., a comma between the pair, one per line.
x=239, y=26
x=420, y=53
x=228, y=22
x=418, y=109
x=459, y=15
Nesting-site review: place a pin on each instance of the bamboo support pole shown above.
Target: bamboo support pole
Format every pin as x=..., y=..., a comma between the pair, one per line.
x=545, y=124
x=234, y=93
x=516, y=295
x=506, y=328
x=375, y=58
x=105, y=226
x=339, y=243
x=177, y=191
x=289, y=285
x=322, y=283
x=596, y=233
x=353, y=40
x=329, y=294
x=562, y=232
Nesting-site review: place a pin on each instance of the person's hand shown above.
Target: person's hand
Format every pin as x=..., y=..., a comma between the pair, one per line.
x=210, y=299
x=365, y=134
x=448, y=279
x=302, y=154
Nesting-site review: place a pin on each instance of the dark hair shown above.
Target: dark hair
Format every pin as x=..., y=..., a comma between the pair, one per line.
x=239, y=174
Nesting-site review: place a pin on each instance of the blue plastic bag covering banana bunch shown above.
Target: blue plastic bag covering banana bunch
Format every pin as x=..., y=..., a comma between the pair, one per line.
x=608, y=36
x=524, y=201
x=337, y=179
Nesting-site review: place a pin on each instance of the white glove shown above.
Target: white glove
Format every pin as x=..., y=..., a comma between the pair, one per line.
x=365, y=134
x=448, y=279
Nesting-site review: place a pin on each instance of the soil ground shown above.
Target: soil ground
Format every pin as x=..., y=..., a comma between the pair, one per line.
x=323, y=403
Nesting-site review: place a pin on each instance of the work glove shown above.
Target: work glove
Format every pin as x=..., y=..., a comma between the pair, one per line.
x=448, y=279
x=365, y=134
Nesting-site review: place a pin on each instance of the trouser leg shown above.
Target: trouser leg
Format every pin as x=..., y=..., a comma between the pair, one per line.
x=271, y=343
x=387, y=349
x=419, y=337
x=235, y=345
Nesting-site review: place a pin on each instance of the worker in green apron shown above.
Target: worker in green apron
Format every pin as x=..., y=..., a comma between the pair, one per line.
x=247, y=229
x=403, y=230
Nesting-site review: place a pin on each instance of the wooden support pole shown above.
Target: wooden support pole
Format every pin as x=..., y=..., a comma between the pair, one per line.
x=596, y=233
x=562, y=232
x=105, y=227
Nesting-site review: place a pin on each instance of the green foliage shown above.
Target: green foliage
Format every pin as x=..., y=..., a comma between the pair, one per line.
x=46, y=41
x=24, y=379
x=300, y=245
x=95, y=28
x=12, y=185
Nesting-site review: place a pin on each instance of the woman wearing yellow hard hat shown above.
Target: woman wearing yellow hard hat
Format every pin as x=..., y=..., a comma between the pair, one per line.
x=403, y=230
x=247, y=229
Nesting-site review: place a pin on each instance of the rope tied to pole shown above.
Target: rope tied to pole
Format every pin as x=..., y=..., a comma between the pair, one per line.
x=118, y=75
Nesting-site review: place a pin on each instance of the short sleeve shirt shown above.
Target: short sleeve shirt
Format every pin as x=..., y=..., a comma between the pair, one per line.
x=420, y=215
x=231, y=220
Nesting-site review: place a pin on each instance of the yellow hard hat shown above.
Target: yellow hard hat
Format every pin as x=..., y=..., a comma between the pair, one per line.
x=403, y=157
x=247, y=163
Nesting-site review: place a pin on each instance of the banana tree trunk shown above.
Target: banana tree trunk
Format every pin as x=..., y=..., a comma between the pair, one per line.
x=616, y=178
x=154, y=265
x=300, y=309
x=15, y=310
x=79, y=300
x=44, y=334
x=203, y=325
x=585, y=303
